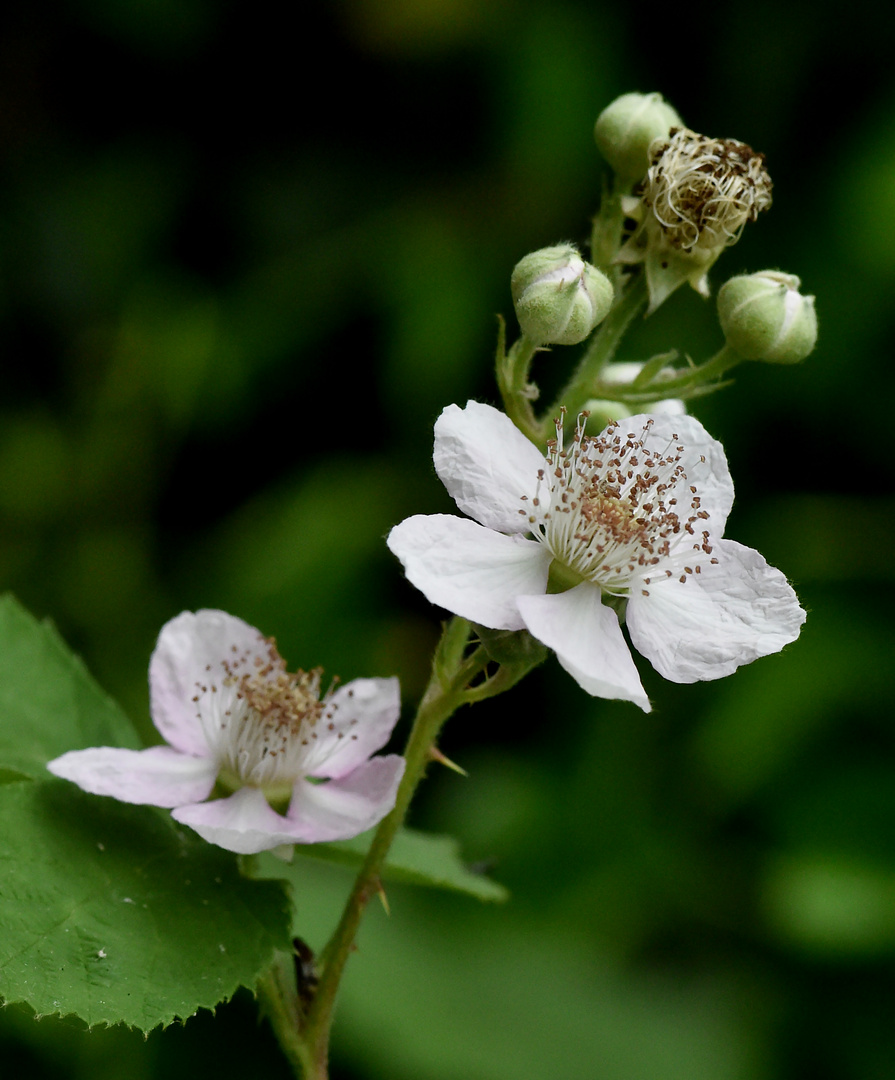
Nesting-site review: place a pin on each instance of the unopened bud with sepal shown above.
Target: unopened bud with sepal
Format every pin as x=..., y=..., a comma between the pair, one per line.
x=627, y=126
x=559, y=298
x=765, y=317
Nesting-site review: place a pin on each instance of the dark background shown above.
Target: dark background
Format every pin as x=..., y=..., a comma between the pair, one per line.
x=245, y=260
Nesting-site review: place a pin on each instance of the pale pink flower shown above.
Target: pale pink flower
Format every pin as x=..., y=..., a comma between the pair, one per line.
x=630, y=521
x=221, y=697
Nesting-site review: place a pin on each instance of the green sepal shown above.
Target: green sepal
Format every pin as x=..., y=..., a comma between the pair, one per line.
x=512, y=646
x=652, y=367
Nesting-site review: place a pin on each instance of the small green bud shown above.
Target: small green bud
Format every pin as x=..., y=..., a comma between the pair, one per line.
x=765, y=317
x=626, y=127
x=559, y=298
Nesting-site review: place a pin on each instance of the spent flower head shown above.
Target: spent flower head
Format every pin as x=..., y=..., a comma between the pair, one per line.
x=236, y=719
x=695, y=201
x=629, y=521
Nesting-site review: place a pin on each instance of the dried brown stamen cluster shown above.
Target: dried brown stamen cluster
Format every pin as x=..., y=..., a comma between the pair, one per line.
x=702, y=191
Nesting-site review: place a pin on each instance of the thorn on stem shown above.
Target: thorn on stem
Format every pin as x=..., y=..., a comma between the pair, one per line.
x=436, y=755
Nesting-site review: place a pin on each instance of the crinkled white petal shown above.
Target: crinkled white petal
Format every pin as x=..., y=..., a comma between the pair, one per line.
x=708, y=625
x=342, y=808
x=703, y=459
x=587, y=640
x=487, y=465
x=158, y=776
x=358, y=721
x=468, y=569
x=244, y=822
x=189, y=648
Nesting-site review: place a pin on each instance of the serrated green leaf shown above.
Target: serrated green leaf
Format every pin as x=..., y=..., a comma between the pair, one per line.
x=416, y=858
x=49, y=702
x=114, y=913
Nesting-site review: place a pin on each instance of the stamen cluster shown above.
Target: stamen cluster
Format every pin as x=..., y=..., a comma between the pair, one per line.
x=702, y=191
x=611, y=509
x=260, y=717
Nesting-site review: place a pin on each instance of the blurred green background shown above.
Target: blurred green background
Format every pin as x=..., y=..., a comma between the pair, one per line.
x=242, y=269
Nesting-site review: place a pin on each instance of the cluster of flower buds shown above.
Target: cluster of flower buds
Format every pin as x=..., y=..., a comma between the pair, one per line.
x=677, y=201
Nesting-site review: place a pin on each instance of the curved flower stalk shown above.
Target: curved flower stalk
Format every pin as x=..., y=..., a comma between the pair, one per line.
x=232, y=715
x=630, y=520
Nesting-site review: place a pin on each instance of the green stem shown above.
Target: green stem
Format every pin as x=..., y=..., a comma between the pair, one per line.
x=446, y=692
x=606, y=233
x=582, y=385
x=723, y=360
x=279, y=1002
x=512, y=380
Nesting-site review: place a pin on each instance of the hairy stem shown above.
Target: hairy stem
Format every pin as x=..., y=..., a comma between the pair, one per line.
x=307, y=1043
x=601, y=349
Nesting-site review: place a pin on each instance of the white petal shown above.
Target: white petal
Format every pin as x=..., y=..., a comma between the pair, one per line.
x=708, y=625
x=342, y=808
x=587, y=640
x=487, y=465
x=244, y=822
x=188, y=655
x=158, y=776
x=358, y=721
x=468, y=569
x=703, y=459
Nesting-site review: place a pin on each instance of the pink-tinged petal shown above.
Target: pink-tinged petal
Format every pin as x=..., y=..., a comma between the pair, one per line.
x=187, y=657
x=468, y=569
x=728, y=614
x=244, y=822
x=158, y=776
x=358, y=721
x=487, y=465
x=333, y=810
x=342, y=808
x=587, y=640
x=703, y=459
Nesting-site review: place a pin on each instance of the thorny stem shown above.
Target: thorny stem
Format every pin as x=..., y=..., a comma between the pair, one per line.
x=306, y=1042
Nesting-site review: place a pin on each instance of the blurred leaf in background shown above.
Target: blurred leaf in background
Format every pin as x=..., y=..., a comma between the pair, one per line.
x=242, y=269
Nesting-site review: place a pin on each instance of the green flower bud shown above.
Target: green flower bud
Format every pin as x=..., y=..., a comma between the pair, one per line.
x=559, y=298
x=625, y=129
x=765, y=317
